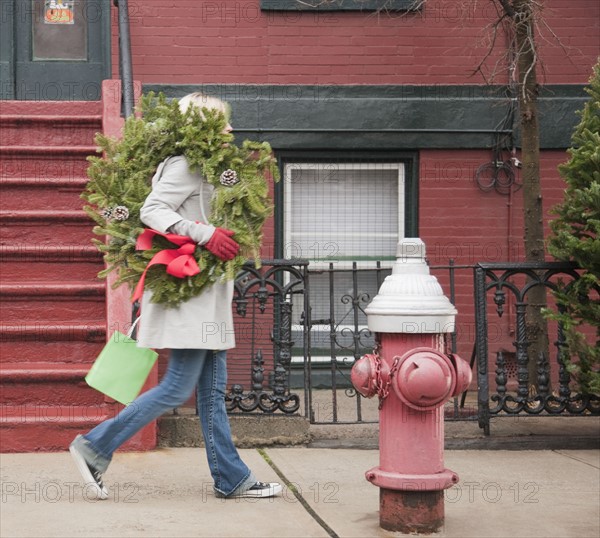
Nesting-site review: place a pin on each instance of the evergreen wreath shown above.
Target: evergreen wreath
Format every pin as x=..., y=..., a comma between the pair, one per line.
x=120, y=181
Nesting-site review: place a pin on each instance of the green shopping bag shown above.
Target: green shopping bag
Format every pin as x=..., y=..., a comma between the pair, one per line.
x=122, y=368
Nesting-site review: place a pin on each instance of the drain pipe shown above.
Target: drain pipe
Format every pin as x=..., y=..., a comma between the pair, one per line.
x=125, y=63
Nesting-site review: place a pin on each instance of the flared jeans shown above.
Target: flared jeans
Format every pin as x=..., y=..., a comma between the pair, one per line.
x=187, y=369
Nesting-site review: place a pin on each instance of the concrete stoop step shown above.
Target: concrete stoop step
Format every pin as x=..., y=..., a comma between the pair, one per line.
x=249, y=431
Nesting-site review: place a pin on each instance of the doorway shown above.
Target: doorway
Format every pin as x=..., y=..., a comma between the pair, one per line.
x=54, y=50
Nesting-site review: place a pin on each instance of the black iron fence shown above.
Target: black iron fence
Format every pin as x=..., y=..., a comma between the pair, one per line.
x=523, y=384
x=339, y=337
x=260, y=365
x=298, y=337
x=297, y=343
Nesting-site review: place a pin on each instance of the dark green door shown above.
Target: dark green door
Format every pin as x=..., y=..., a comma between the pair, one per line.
x=54, y=50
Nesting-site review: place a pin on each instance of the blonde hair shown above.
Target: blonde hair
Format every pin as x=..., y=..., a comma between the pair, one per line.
x=201, y=101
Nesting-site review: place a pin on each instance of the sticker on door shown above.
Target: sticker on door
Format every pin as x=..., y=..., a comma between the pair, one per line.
x=59, y=12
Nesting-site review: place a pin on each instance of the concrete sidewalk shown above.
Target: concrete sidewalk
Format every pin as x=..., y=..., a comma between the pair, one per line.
x=167, y=493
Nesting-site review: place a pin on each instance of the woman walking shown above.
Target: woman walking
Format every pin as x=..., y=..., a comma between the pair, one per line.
x=198, y=333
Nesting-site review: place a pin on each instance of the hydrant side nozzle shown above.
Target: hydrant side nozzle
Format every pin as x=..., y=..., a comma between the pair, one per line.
x=368, y=374
x=464, y=374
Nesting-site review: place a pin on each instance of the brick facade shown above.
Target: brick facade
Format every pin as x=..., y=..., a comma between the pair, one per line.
x=233, y=41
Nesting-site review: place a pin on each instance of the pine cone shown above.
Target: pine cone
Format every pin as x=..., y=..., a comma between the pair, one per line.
x=106, y=213
x=120, y=213
x=229, y=178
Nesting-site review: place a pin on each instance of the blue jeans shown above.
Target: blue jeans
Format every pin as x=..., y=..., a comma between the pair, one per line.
x=187, y=369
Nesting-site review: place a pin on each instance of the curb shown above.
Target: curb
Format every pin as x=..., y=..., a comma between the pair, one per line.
x=536, y=442
x=248, y=431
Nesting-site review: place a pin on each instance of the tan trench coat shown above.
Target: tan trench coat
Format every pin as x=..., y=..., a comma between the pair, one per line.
x=205, y=321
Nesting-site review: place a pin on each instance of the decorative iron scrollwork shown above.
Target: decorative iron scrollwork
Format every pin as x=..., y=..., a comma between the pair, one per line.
x=542, y=397
x=270, y=289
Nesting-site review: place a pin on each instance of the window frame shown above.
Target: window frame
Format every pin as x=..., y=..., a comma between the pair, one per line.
x=317, y=263
x=410, y=159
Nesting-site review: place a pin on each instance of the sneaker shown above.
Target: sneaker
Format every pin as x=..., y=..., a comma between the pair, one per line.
x=89, y=473
x=262, y=489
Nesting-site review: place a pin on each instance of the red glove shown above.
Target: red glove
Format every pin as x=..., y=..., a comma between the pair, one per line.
x=221, y=244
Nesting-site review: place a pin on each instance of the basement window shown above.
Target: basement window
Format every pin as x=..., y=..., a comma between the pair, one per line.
x=346, y=218
x=341, y=213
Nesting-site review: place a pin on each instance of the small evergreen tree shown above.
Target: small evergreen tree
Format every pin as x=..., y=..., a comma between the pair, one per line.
x=576, y=237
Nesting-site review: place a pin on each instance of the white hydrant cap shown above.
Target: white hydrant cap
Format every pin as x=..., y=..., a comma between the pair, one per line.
x=411, y=300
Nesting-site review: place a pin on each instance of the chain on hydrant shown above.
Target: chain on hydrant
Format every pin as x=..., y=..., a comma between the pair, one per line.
x=383, y=387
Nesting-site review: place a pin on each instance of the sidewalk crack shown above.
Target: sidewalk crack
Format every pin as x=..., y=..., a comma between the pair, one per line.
x=297, y=494
x=566, y=455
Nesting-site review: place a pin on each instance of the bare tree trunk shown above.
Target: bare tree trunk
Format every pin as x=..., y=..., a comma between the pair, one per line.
x=537, y=329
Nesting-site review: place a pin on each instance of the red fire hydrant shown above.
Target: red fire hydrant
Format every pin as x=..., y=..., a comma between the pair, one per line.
x=413, y=377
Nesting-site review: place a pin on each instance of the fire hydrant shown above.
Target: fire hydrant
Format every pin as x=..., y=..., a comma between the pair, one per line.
x=413, y=377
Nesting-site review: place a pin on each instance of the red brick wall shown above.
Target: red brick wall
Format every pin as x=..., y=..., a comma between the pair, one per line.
x=232, y=41
x=459, y=221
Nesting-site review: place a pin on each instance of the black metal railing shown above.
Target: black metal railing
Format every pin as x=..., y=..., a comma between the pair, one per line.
x=550, y=390
x=265, y=300
x=296, y=343
x=339, y=337
x=457, y=409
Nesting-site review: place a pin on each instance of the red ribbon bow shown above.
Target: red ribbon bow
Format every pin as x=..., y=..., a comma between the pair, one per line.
x=180, y=261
